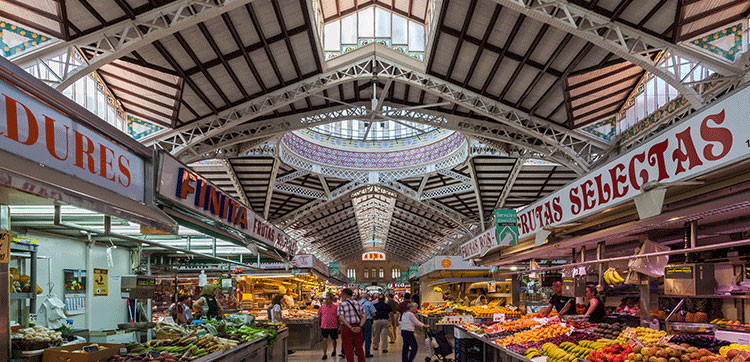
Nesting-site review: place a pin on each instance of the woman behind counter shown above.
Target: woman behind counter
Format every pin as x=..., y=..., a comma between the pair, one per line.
x=207, y=304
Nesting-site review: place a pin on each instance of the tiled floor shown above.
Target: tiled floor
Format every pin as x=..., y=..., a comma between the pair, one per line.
x=393, y=355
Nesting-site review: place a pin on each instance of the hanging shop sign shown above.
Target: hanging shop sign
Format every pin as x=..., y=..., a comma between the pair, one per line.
x=333, y=269
x=448, y=263
x=182, y=186
x=35, y=131
x=506, y=227
x=479, y=244
x=712, y=138
x=373, y=256
x=413, y=271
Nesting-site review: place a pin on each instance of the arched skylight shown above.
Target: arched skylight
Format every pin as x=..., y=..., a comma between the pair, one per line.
x=374, y=24
x=375, y=131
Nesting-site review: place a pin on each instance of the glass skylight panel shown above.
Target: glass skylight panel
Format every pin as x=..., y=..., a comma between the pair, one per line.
x=333, y=36
x=366, y=22
x=382, y=23
x=399, y=31
x=349, y=29
x=416, y=36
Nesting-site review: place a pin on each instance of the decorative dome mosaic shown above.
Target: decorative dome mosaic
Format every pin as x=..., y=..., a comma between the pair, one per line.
x=419, y=151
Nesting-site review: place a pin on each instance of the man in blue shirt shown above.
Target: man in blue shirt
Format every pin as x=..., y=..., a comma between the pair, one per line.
x=367, y=328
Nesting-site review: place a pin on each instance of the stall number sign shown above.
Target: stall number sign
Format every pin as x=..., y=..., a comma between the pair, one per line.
x=679, y=272
x=498, y=317
x=506, y=226
x=4, y=247
x=37, y=132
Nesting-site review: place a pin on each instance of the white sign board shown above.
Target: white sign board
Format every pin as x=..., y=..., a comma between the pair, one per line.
x=479, y=244
x=180, y=185
x=710, y=139
x=37, y=132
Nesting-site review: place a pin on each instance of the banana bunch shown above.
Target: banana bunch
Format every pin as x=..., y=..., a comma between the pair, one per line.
x=611, y=276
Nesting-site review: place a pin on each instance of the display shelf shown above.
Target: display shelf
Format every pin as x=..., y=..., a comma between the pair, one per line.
x=744, y=296
x=21, y=295
x=22, y=247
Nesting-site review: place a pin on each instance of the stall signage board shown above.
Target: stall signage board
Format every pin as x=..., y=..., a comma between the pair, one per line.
x=491, y=286
x=498, y=317
x=333, y=268
x=506, y=227
x=180, y=185
x=710, y=139
x=34, y=131
x=479, y=244
x=413, y=271
x=4, y=246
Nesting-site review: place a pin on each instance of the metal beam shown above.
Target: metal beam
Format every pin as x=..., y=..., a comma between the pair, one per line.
x=630, y=44
x=118, y=40
x=514, y=172
x=235, y=181
x=422, y=184
x=447, y=190
x=300, y=191
x=271, y=183
x=377, y=61
x=324, y=184
x=478, y=197
x=291, y=176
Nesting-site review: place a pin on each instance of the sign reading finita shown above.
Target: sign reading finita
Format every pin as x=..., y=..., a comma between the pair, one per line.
x=186, y=188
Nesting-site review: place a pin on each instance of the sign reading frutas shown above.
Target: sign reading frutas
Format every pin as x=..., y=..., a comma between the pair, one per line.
x=479, y=244
x=506, y=226
x=37, y=132
x=181, y=185
x=708, y=140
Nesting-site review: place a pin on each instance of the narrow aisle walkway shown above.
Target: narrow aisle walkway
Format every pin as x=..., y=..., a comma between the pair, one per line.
x=393, y=355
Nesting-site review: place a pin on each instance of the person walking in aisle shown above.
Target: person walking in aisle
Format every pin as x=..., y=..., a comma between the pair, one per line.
x=393, y=319
x=329, y=326
x=408, y=322
x=352, y=318
x=381, y=324
x=367, y=328
x=403, y=307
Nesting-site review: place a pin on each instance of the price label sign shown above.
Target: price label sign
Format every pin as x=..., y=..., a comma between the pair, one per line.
x=498, y=317
x=629, y=334
x=634, y=341
x=665, y=339
x=512, y=307
x=4, y=246
x=741, y=357
x=448, y=310
x=32, y=318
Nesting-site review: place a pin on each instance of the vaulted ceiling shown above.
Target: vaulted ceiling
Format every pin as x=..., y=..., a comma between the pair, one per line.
x=226, y=78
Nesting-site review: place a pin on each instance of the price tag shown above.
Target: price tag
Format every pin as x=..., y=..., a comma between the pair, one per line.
x=90, y=349
x=634, y=341
x=32, y=318
x=168, y=320
x=498, y=317
x=512, y=307
x=629, y=334
x=741, y=357
x=4, y=247
x=448, y=310
x=665, y=339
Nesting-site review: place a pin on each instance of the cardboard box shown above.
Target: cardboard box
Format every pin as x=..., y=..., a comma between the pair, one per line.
x=65, y=354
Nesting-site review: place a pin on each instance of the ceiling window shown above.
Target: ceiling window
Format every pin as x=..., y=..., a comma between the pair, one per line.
x=374, y=24
x=395, y=273
x=373, y=131
x=351, y=273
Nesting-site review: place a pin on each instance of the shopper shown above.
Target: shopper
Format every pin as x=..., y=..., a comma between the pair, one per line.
x=329, y=326
x=289, y=299
x=367, y=328
x=207, y=304
x=403, y=307
x=177, y=310
x=274, y=310
x=595, y=308
x=352, y=317
x=558, y=301
x=381, y=324
x=393, y=318
x=408, y=322
x=188, y=313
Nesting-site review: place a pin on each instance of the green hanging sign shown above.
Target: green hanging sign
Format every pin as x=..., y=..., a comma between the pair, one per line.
x=413, y=271
x=333, y=269
x=506, y=226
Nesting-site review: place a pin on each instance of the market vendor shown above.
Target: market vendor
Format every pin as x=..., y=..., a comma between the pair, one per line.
x=595, y=308
x=289, y=298
x=558, y=301
x=207, y=304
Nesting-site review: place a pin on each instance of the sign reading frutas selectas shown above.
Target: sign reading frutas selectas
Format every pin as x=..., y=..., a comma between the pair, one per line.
x=709, y=139
x=180, y=185
x=37, y=132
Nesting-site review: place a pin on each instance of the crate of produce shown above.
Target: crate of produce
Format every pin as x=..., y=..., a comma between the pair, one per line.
x=78, y=352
